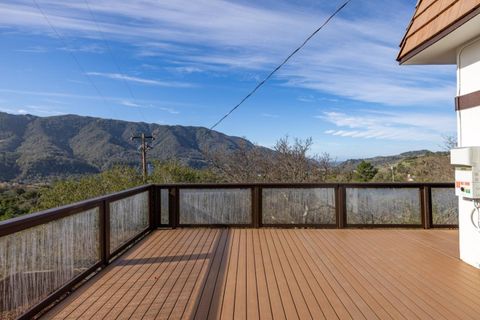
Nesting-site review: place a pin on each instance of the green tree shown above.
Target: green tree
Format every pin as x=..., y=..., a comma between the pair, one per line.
x=17, y=201
x=174, y=172
x=73, y=190
x=365, y=171
x=119, y=178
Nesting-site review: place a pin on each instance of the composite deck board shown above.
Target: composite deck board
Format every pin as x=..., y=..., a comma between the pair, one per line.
x=207, y=273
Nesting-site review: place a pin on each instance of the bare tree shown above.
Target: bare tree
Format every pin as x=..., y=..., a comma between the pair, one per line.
x=449, y=142
x=245, y=164
x=288, y=162
x=326, y=165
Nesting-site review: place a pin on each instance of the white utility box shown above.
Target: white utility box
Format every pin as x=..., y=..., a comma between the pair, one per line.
x=467, y=171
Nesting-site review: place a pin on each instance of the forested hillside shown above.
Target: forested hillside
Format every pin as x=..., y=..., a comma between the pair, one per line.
x=41, y=148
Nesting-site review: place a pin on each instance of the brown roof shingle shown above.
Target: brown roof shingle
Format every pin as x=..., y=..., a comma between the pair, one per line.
x=430, y=20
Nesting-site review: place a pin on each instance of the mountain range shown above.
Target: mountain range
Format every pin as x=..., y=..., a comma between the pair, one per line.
x=38, y=149
x=34, y=148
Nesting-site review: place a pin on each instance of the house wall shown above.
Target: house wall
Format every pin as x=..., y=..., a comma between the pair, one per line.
x=468, y=124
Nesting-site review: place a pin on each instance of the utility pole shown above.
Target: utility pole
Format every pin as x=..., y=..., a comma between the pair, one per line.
x=144, y=147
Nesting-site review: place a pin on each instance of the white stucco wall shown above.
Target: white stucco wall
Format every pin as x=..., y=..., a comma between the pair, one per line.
x=468, y=124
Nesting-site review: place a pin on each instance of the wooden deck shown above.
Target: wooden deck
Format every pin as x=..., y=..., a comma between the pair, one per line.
x=283, y=274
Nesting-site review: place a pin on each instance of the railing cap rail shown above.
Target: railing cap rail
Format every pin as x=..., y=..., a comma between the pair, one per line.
x=311, y=185
x=34, y=219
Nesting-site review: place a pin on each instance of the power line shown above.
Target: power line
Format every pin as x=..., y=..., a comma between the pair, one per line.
x=114, y=60
x=71, y=52
x=279, y=66
x=144, y=148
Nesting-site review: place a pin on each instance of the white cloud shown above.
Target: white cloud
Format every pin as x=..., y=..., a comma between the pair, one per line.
x=409, y=126
x=147, y=66
x=312, y=99
x=127, y=103
x=88, y=48
x=69, y=96
x=188, y=69
x=270, y=115
x=33, y=49
x=352, y=58
x=32, y=109
x=118, y=76
x=169, y=110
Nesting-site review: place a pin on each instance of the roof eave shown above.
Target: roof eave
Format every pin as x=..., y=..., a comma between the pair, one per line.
x=403, y=58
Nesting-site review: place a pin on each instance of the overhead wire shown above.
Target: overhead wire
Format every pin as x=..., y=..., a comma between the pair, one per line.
x=251, y=93
x=77, y=61
x=261, y=83
x=113, y=59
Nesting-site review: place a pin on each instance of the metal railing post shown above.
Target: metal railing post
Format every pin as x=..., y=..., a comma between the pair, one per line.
x=426, y=206
x=152, y=207
x=104, y=232
x=256, y=206
x=340, y=206
x=173, y=206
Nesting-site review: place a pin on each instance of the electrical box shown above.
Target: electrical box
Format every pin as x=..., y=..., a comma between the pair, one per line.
x=467, y=171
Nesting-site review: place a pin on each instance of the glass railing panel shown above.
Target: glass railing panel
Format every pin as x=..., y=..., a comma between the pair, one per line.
x=383, y=206
x=164, y=205
x=37, y=261
x=298, y=206
x=128, y=218
x=215, y=206
x=444, y=206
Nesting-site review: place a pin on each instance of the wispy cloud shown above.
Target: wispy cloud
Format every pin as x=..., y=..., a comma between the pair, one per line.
x=147, y=66
x=86, y=48
x=114, y=99
x=270, y=115
x=33, y=49
x=32, y=109
x=118, y=76
x=349, y=59
x=311, y=98
x=188, y=69
x=389, y=125
x=128, y=103
x=169, y=110
x=131, y=104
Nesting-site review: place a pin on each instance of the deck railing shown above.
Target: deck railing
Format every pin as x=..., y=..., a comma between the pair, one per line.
x=329, y=205
x=46, y=254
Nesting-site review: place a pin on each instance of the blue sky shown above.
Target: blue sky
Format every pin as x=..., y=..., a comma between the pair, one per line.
x=188, y=62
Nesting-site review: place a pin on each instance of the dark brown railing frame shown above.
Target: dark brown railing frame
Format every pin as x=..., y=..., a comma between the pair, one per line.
x=425, y=196
x=154, y=191
x=25, y=222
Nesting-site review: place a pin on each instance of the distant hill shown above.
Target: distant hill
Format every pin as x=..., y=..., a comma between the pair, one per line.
x=351, y=164
x=37, y=148
x=421, y=166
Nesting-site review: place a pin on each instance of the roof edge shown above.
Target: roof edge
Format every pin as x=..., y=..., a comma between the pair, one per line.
x=438, y=36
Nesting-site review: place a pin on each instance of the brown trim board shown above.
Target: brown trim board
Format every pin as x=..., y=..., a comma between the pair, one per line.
x=467, y=101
